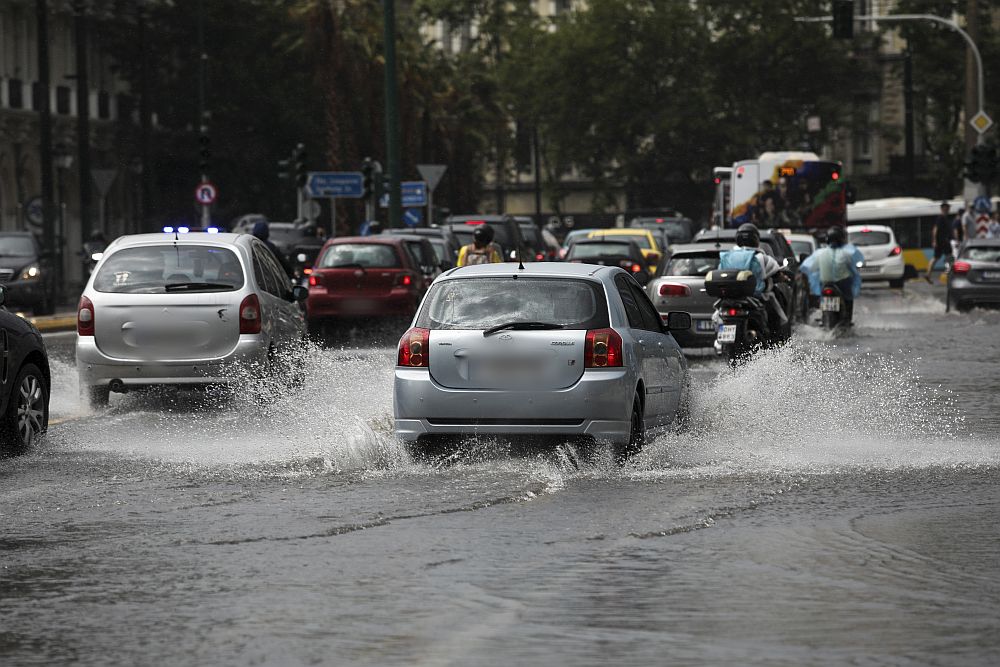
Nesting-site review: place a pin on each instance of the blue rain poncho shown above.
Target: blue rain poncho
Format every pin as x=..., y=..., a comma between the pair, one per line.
x=831, y=265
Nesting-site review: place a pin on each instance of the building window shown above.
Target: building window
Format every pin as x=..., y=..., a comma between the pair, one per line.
x=103, y=104
x=15, y=93
x=62, y=100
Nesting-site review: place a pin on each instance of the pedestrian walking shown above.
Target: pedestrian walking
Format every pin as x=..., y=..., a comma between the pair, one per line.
x=994, y=230
x=942, y=239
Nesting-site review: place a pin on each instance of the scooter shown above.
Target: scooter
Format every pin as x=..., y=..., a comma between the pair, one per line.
x=833, y=306
x=741, y=318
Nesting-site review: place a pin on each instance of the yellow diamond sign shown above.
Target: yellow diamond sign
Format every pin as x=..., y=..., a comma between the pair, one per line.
x=981, y=122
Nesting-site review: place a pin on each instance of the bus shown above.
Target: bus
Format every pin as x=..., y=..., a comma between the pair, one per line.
x=722, y=180
x=788, y=189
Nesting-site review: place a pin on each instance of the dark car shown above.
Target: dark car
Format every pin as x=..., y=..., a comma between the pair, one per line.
x=24, y=382
x=537, y=246
x=26, y=272
x=445, y=245
x=364, y=277
x=673, y=229
x=974, y=279
x=611, y=251
x=794, y=295
x=297, y=242
x=506, y=233
x=422, y=253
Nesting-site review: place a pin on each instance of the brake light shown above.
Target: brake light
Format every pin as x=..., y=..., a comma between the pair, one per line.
x=602, y=349
x=828, y=291
x=636, y=268
x=85, y=317
x=313, y=280
x=475, y=222
x=539, y=257
x=734, y=312
x=250, y=315
x=961, y=267
x=834, y=176
x=307, y=271
x=404, y=280
x=895, y=251
x=674, y=289
x=413, y=349
x=659, y=219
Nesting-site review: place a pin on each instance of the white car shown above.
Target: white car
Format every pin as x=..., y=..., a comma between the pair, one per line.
x=551, y=349
x=803, y=245
x=181, y=308
x=883, y=256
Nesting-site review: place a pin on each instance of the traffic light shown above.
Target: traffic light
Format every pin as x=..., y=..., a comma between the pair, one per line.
x=284, y=167
x=843, y=19
x=204, y=153
x=983, y=165
x=367, y=178
x=301, y=171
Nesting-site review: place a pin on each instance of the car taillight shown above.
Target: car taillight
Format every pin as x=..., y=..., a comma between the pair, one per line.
x=895, y=251
x=603, y=349
x=85, y=317
x=636, y=268
x=404, y=280
x=313, y=280
x=735, y=312
x=413, y=349
x=674, y=289
x=250, y=315
x=539, y=257
x=307, y=271
x=961, y=267
x=828, y=291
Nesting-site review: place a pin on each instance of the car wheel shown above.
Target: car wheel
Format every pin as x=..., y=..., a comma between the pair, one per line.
x=27, y=415
x=898, y=283
x=636, y=434
x=96, y=397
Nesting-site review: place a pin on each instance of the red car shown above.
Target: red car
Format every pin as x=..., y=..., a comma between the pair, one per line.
x=367, y=276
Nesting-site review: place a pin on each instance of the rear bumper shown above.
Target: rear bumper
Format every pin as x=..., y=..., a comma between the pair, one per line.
x=966, y=292
x=598, y=405
x=97, y=369
x=345, y=304
x=890, y=268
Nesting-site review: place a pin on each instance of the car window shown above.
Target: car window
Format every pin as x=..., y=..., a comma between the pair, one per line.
x=367, y=255
x=650, y=318
x=802, y=247
x=17, y=246
x=864, y=238
x=642, y=240
x=628, y=300
x=588, y=250
x=279, y=278
x=980, y=254
x=691, y=265
x=151, y=269
x=262, y=271
x=481, y=303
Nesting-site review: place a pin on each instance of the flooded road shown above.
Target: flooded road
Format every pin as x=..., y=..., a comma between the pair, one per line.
x=833, y=502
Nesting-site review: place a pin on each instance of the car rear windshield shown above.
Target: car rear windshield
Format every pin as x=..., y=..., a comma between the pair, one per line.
x=481, y=303
x=869, y=238
x=367, y=255
x=802, y=248
x=692, y=265
x=532, y=237
x=641, y=240
x=160, y=269
x=588, y=250
x=16, y=246
x=982, y=254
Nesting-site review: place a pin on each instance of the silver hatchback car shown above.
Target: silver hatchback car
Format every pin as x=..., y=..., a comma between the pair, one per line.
x=180, y=309
x=550, y=349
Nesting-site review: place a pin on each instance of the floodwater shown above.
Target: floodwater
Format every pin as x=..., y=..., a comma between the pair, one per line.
x=834, y=502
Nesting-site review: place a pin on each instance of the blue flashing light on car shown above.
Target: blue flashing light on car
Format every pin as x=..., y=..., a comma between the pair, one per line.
x=183, y=230
x=168, y=230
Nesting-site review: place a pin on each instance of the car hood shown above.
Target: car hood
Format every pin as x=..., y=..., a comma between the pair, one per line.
x=16, y=263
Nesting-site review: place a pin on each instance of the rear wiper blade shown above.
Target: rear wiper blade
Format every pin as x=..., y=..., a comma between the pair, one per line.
x=180, y=287
x=349, y=265
x=521, y=325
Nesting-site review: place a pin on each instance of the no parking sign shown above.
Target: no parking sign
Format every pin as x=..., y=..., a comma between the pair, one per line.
x=205, y=193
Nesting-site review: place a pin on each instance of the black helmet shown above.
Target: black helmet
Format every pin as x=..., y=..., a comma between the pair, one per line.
x=97, y=235
x=483, y=235
x=747, y=235
x=836, y=236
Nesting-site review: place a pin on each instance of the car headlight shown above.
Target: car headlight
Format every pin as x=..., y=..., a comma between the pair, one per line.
x=31, y=272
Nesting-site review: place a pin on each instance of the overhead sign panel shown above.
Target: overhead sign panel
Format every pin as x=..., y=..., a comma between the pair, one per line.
x=414, y=194
x=334, y=184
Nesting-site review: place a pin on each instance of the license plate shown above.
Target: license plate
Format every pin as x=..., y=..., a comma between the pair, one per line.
x=704, y=325
x=991, y=275
x=727, y=333
x=830, y=304
x=870, y=269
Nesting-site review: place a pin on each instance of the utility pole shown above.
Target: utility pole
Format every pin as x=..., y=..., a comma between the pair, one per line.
x=45, y=127
x=392, y=115
x=83, y=116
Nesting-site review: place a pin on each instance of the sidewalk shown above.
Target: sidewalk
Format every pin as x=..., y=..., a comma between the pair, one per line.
x=63, y=320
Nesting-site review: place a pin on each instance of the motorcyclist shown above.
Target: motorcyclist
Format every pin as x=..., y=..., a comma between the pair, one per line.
x=747, y=256
x=836, y=263
x=481, y=250
x=262, y=231
x=94, y=245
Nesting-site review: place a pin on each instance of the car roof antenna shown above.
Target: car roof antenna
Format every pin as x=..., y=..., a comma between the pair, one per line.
x=520, y=262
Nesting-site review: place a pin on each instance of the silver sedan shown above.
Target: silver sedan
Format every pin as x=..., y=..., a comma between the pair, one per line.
x=974, y=279
x=182, y=309
x=550, y=349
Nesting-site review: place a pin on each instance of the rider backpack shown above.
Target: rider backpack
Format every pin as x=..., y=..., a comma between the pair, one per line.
x=474, y=256
x=743, y=259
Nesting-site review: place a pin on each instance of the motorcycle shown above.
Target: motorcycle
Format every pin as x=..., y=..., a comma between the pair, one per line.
x=833, y=306
x=741, y=318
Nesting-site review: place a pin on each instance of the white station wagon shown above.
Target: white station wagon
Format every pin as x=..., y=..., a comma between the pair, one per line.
x=180, y=309
x=550, y=349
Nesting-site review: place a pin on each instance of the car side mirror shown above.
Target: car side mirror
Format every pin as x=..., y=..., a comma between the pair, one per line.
x=300, y=293
x=677, y=321
x=3, y=295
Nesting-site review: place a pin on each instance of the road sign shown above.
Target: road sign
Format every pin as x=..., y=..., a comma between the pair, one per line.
x=432, y=174
x=103, y=179
x=414, y=194
x=205, y=193
x=311, y=209
x=34, y=212
x=981, y=122
x=413, y=216
x=334, y=184
x=982, y=226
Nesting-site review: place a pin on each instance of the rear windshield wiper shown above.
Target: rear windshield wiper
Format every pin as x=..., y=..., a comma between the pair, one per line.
x=521, y=326
x=183, y=287
x=349, y=265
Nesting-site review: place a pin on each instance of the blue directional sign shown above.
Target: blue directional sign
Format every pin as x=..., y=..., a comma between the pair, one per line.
x=414, y=194
x=334, y=184
x=413, y=216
